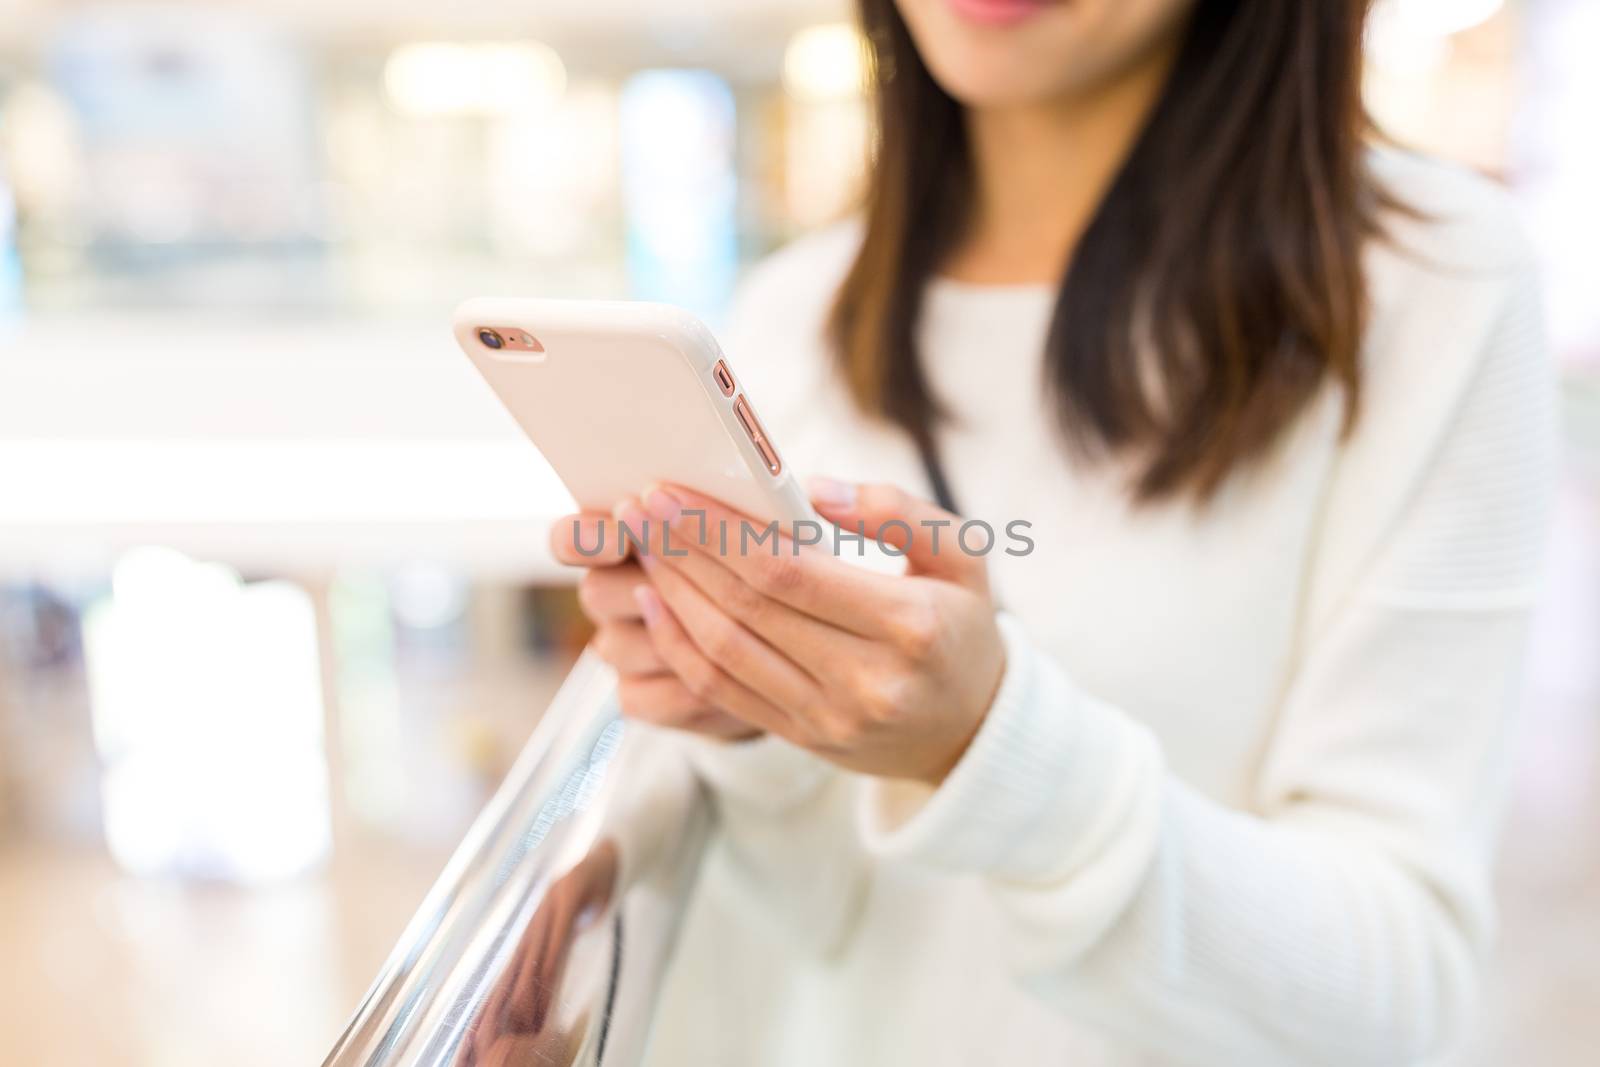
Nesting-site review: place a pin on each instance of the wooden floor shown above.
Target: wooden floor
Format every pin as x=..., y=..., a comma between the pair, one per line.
x=105, y=969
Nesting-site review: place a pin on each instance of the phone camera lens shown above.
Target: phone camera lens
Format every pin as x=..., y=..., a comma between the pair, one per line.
x=491, y=339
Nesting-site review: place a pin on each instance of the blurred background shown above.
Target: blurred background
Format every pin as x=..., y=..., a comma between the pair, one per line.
x=275, y=613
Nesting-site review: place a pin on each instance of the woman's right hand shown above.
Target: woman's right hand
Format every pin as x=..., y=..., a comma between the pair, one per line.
x=647, y=690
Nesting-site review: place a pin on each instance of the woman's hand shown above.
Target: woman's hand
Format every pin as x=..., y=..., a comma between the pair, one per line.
x=647, y=689
x=515, y=1026
x=887, y=675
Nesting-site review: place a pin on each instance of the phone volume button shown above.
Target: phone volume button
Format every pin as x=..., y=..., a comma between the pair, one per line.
x=752, y=428
x=769, y=456
x=747, y=418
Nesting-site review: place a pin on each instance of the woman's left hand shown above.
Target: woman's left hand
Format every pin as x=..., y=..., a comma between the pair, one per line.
x=888, y=675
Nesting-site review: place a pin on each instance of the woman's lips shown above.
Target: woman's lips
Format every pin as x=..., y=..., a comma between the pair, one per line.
x=998, y=12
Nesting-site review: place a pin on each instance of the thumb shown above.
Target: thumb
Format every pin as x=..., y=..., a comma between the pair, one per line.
x=920, y=530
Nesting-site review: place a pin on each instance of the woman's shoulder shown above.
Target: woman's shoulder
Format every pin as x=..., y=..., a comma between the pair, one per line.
x=799, y=280
x=1449, y=460
x=1452, y=280
x=1446, y=218
x=776, y=326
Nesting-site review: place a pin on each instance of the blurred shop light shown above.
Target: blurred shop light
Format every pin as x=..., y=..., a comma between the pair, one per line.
x=1558, y=168
x=43, y=152
x=207, y=705
x=679, y=188
x=1441, y=18
x=824, y=158
x=1412, y=37
x=552, y=175
x=10, y=258
x=372, y=736
x=426, y=598
x=827, y=62
x=196, y=127
x=440, y=79
x=827, y=124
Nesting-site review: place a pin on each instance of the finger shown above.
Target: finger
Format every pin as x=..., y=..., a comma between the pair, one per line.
x=521, y=1008
x=728, y=644
x=539, y=979
x=485, y=1028
x=505, y=1052
x=547, y=981
x=588, y=539
x=814, y=582
x=492, y=1020
x=815, y=646
x=931, y=538
x=514, y=1014
x=552, y=969
x=606, y=594
x=627, y=647
x=658, y=699
x=663, y=700
x=722, y=727
x=700, y=675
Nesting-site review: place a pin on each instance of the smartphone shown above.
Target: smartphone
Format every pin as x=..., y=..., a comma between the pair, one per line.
x=621, y=395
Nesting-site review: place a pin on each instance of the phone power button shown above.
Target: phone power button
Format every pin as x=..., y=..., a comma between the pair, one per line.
x=758, y=437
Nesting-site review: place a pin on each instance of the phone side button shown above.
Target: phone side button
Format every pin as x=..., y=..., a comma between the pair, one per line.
x=747, y=418
x=752, y=429
x=723, y=377
x=769, y=456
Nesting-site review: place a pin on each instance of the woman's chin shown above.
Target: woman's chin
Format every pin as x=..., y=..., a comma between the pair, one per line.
x=997, y=79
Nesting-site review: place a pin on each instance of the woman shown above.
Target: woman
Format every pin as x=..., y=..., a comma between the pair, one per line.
x=1211, y=774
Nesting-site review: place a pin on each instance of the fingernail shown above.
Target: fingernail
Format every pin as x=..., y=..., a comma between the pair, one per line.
x=662, y=504
x=649, y=604
x=832, y=493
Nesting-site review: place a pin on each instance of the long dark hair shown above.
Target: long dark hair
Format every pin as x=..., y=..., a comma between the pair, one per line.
x=1219, y=284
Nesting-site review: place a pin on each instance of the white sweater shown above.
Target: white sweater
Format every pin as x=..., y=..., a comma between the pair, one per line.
x=1236, y=799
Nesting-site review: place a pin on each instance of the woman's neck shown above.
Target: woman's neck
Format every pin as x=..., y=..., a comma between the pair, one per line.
x=1040, y=171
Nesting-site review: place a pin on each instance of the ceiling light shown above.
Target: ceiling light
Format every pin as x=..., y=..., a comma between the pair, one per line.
x=437, y=79
x=827, y=62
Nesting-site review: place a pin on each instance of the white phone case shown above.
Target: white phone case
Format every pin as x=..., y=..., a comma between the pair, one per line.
x=624, y=395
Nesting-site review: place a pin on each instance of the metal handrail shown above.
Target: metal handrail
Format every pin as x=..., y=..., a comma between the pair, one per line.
x=545, y=939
